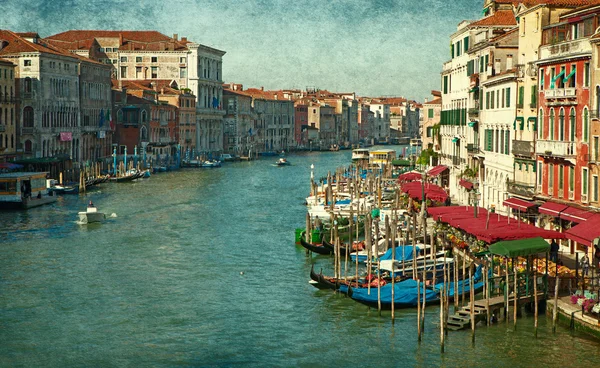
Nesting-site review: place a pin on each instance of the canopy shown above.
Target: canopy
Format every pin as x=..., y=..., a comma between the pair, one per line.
x=575, y=214
x=433, y=192
x=466, y=184
x=409, y=176
x=10, y=166
x=400, y=162
x=518, y=204
x=586, y=232
x=552, y=209
x=402, y=253
x=499, y=227
x=520, y=248
x=437, y=170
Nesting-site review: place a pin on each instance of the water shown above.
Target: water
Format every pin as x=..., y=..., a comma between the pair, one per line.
x=199, y=269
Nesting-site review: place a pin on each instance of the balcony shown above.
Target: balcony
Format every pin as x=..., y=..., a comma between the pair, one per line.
x=521, y=189
x=522, y=148
x=566, y=48
x=188, y=140
x=473, y=112
x=569, y=92
x=558, y=149
x=27, y=130
x=472, y=148
x=164, y=139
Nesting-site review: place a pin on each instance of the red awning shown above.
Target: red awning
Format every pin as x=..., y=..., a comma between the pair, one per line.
x=518, y=204
x=437, y=170
x=575, y=214
x=552, y=209
x=466, y=184
x=586, y=232
x=410, y=176
x=433, y=192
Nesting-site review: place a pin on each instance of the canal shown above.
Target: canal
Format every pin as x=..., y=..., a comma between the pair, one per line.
x=199, y=268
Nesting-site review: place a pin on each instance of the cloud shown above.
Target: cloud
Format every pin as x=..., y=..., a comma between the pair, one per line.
x=380, y=47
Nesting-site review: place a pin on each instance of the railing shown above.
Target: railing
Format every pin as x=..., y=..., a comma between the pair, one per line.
x=565, y=48
x=556, y=148
x=473, y=111
x=522, y=148
x=472, y=148
x=560, y=93
x=594, y=114
x=521, y=189
x=164, y=139
x=27, y=130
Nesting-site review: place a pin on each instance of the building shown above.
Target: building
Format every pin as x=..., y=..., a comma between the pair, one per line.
x=431, y=118
x=8, y=109
x=150, y=55
x=240, y=121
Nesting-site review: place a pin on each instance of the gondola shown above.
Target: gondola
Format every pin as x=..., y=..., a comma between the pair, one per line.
x=315, y=248
x=331, y=247
x=321, y=282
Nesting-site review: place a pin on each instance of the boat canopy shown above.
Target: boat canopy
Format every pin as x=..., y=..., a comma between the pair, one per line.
x=520, y=248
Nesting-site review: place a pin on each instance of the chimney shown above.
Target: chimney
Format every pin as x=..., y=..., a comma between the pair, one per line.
x=509, y=62
x=120, y=39
x=162, y=91
x=184, y=39
x=231, y=86
x=153, y=85
x=175, y=36
x=426, y=99
x=262, y=88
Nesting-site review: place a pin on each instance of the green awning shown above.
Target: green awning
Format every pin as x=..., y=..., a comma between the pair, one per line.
x=474, y=89
x=43, y=160
x=520, y=248
x=401, y=162
x=472, y=124
x=455, y=139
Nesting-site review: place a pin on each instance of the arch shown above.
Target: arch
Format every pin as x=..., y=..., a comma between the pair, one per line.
x=120, y=115
x=561, y=124
x=551, y=124
x=144, y=116
x=28, y=146
x=597, y=100
x=27, y=85
x=28, y=117
x=143, y=133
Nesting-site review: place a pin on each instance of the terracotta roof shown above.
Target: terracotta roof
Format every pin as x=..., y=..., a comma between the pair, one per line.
x=162, y=86
x=499, y=18
x=18, y=44
x=437, y=101
x=530, y=3
x=131, y=40
x=28, y=34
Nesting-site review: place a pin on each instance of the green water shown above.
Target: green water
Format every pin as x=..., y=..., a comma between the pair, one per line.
x=161, y=285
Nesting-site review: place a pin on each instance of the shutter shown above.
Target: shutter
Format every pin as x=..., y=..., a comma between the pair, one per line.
x=533, y=96
x=466, y=43
x=508, y=97
x=507, y=142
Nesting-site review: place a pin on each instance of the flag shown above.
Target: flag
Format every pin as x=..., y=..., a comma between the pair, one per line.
x=109, y=119
x=250, y=132
x=215, y=102
x=101, y=122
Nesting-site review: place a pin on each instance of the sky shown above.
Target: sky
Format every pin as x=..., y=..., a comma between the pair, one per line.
x=373, y=47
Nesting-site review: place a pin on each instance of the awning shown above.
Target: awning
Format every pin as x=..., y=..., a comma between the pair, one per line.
x=455, y=139
x=586, y=232
x=518, y=204
x=437, y=170
x=552, y=209
x=410, y=176
x=472, y=124
x=520, y=248
x=466, y=184
x=415, y=190
x=474, y=89
x=575, y=214
x=400, y=162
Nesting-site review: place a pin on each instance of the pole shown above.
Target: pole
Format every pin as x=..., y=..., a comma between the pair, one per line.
x=516, y=292
x=535, y=300
x=555, y=310
x=472, y=302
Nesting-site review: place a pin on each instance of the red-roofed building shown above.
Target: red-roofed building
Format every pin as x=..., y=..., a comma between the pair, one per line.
x=431, y=117
x=8, y=110
x=63, y=101
x=151, y=55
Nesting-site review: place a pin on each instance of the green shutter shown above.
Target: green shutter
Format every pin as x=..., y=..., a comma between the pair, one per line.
x=466, y=43
x=481, y=64
x=451, y=51
x=521, y=93
x=430, y=113
x=486, y=62
x=533, y=96
x=445, y=84
x=508, y=97
x=506, y=141
x=585, y=124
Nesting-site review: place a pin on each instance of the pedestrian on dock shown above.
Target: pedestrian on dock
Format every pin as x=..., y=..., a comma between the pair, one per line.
x=554, y=251
x=585, y=264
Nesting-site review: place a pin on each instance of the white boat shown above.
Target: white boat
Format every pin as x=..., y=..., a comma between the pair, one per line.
x=91, y=215
x=282, y=162
x=360, y=154
x=23, y=190
x=211, y=163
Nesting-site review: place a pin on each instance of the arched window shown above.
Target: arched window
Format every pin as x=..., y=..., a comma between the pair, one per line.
x=120, y=116
x=144, y=133
x=572, y=124
x=586, y=122
x=597, y=100
x=561, y=124
x=144, y=116
x=551, y=123
x=28, y=146
x=27, y=85
x=540, y=124
x=28, y=117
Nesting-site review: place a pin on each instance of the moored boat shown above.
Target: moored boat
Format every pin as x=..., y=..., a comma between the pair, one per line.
x=23, y=190
x=315, y=248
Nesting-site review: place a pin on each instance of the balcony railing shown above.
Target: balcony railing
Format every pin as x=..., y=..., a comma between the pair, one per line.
x=522, y=148
x=27, y=130
x=560, y=93
x=164, y=139
x=556, y=148
x=565, y=48
x=521, y=189
x=472, y=148
x=473, y=111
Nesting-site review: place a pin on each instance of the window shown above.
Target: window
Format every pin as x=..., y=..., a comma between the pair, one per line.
x=550, y=177
x=154, y=59
x=101, y=49
x=533, y=97
x=551, y=123
x=182, y=72
x=26, y=62
x=561, y=175
x=138, y=59
x=492, y=99
x=561, y=76
x=123, y=59
x=541, y=125
x=584, y=183
x=585, y=124
x=508, y=97
x=521, y=97
x=572, y=124
x=561, y=124
x=572, y=76
x=123, y=72
x=114, y=61
x=503, y=97
x=586, y=74
x=430, y=113
x=182, y=60
x=595, y=152
x=28, y=117
x=466, y=43
x=445, y=84
x=429, y=132
x=138, y=72
x=571, y=179
x=541, y=74
x=108, y=49
x=595, y=188
x=487, y=100
x=539, y=173
x=507, y=142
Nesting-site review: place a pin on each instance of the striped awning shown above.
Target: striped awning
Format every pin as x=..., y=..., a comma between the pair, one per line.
x=518, y=204
x=552, y=209
x=465, y=184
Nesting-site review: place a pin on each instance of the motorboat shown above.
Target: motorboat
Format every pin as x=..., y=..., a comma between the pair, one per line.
x=91, y=214
x=211, y=163
x=282, y=162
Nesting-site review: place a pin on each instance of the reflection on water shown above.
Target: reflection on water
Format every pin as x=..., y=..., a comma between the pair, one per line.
x=199, y=268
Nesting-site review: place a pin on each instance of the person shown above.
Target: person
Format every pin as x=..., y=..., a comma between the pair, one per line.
x=585, y=264
x=560, y=262
x=318, y=223
x=597, y=257
x=90, y=205
x=554, y=250
x=39, y=195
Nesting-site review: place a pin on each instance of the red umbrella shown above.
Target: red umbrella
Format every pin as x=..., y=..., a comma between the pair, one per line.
x=409, y=176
